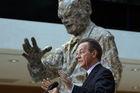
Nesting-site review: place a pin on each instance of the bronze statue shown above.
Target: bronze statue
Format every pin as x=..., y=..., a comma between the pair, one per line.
x=75, y=15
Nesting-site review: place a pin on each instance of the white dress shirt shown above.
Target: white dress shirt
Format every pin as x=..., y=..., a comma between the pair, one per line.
x=92, y=67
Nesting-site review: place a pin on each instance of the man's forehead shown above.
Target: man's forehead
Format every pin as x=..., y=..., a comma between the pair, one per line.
x=82, y=46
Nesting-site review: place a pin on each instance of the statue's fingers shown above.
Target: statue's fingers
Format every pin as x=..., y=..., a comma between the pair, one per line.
x=26, y=48
x=47, y=49
x=27, y=43
x=26, y=56
x=34, y=42
x=35, y=46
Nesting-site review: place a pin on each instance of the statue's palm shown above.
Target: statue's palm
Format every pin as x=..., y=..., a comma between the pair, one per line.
x=33, y=53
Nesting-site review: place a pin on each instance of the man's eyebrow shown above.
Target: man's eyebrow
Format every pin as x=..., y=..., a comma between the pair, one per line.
x=80, y=50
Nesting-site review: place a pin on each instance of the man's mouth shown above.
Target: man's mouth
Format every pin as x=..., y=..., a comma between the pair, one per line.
x=79, y=61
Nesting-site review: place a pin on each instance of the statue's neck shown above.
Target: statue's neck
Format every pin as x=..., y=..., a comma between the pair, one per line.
x=86, y=32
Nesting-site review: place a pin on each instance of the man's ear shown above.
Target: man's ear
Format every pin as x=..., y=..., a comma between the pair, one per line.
x=94, y=53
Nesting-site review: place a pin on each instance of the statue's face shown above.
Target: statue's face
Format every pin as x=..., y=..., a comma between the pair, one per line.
x=73, y=16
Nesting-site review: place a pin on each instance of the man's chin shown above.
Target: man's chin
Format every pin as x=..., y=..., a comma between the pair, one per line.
x=81, y=65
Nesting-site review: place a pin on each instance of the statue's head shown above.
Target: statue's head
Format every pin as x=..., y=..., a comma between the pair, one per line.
x=75, y=15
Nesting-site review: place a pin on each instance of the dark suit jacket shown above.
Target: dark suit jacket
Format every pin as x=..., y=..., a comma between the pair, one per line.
x=100, y=80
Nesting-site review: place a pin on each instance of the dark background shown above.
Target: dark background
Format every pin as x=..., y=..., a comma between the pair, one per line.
x=115, y=14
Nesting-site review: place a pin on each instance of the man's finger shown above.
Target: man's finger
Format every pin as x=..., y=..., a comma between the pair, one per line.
x=46, y=82
x=62, y=74
x=45, y=85
x=45, y=88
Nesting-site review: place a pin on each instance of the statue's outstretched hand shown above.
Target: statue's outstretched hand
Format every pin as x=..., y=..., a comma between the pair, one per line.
x=33, y=53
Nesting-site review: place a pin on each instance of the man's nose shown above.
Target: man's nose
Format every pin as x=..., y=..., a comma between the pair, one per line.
x=77, y=56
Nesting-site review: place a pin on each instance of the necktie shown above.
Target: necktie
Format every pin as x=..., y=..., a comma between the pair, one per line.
x=86, y=75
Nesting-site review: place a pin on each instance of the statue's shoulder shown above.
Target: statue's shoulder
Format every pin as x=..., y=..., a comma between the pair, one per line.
x=99, y=33
x=102, y=31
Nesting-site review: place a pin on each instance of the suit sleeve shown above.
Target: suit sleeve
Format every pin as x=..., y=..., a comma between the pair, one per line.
x=104, y=84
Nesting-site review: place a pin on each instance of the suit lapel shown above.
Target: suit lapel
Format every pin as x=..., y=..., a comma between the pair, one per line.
x=92, y=74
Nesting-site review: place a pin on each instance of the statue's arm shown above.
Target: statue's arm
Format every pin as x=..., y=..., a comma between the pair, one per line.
x=47, y=67
x=40, y=69
x=37, y=71
x=110, y=57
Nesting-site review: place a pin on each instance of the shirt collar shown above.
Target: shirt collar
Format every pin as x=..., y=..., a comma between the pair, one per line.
x=92, y=67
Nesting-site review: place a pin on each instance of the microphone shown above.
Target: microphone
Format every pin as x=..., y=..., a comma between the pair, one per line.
x=52, y=86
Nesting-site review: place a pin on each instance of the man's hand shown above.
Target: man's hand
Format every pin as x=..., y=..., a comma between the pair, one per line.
x=46, y=84
x=64, y=77
x=33, y=53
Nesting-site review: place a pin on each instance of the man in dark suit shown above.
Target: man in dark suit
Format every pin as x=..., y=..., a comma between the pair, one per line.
x=99, y=79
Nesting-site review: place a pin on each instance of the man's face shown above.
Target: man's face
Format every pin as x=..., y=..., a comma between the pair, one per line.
x=73, y=16
x=84, y=56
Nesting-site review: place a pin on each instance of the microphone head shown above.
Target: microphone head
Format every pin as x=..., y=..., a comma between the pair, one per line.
x=53, y=85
